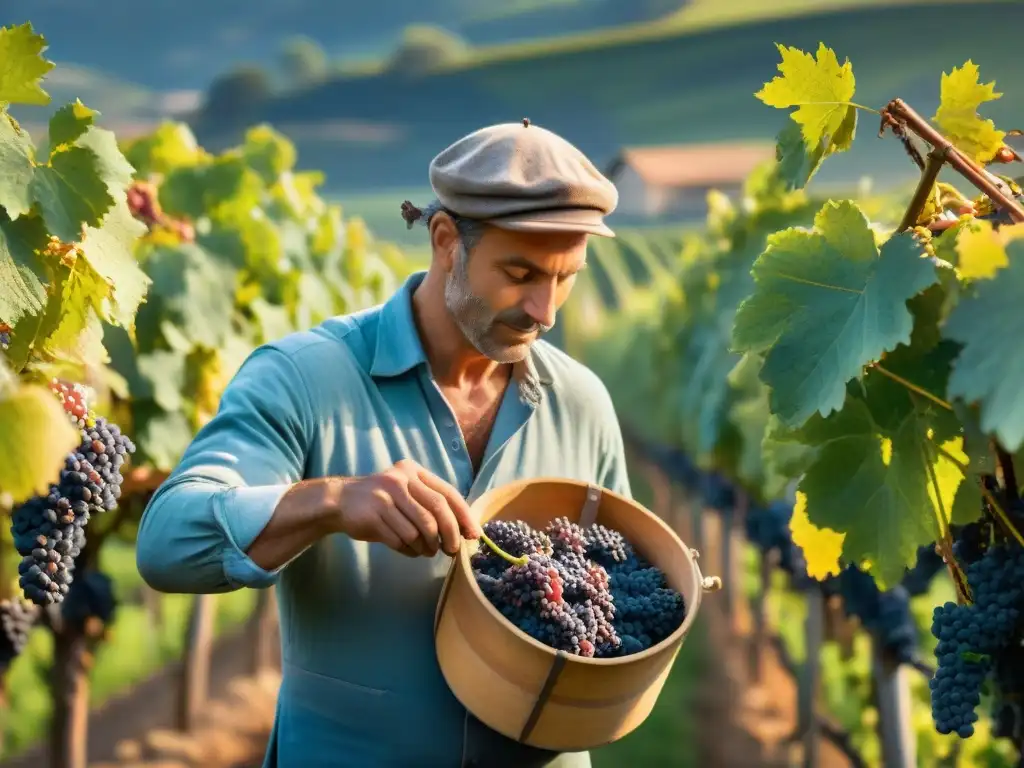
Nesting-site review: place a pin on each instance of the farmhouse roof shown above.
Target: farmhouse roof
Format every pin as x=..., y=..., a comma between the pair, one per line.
x=691, y=165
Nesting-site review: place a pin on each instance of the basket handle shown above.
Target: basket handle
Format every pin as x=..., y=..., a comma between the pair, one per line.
x=707, y=583
x=588, y=515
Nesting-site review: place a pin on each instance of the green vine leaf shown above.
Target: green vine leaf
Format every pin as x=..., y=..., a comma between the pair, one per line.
x=826, y=303
x=989, y=324
x=17, y=167
x=22, y=66
x=71, y=192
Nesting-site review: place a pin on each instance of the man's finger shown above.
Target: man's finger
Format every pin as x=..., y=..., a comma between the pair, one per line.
x=407, y=533
x=437, y=505
x=460, y=507
x=414, y=512
x=389, y=538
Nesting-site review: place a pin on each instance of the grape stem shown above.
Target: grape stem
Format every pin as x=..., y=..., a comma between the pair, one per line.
x=502, y=553
x=1004, y=520
x=945, y=537
x=911, y=386
x=1009, y=474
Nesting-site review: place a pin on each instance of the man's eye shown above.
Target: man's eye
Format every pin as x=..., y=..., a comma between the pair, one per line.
x=519, y=275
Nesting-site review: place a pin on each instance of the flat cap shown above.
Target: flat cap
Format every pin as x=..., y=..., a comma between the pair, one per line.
x=520, y=176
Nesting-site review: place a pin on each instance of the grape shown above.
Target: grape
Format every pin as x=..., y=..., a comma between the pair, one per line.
x=918, y=579
x=91, y=596
x=566, y=536
x=768, y=529
x=976, y=637
x=1005, y=155
x=956, y=686
x=886, y=615
x=16, y=620
x=48, y=530
x=605, y=546
x=5, y=336
x=74, y=398
x=566, y=597
x=532, y=585
x=514, y=537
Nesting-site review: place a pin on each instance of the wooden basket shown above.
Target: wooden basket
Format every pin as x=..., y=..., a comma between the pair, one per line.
x=526, y=690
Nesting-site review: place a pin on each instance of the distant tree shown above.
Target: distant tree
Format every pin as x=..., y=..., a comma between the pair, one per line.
x=302, y=60
x=234, y=95
x=425, y=47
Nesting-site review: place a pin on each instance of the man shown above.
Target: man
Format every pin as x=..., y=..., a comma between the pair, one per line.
x=341, y=459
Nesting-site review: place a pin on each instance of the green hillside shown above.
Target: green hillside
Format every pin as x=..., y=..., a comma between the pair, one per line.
x=379, y=131
x=185, y=44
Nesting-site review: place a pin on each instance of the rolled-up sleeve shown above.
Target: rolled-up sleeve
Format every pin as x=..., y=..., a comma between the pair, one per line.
x=196, y=529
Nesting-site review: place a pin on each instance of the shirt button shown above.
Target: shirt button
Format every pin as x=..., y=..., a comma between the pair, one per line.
x=456, y=445
x=449, y=423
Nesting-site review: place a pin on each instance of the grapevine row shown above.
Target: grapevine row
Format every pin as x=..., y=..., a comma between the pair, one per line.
x=139, y=275
x=849, y=367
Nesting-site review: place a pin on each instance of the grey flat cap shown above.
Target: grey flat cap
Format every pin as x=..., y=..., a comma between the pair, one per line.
x=520, y=176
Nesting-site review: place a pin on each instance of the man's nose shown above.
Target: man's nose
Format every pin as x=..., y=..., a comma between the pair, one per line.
x=541, y=306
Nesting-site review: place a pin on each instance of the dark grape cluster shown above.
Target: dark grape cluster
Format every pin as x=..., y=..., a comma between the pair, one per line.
x=5, y=336
x=917, y=580
x=717, y=492
x=17, y=618
x=768, y=529
x=582, y=590
x=885, y=615
x=975, y=636
x=91, y=596
x=48, y=530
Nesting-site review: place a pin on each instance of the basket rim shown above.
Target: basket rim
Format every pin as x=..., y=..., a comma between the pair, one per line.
x=465, y=572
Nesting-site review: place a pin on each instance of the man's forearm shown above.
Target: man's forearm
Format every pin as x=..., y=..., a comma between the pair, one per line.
x=309, y=511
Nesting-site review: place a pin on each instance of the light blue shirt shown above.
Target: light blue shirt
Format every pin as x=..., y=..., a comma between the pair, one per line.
x=361, y=684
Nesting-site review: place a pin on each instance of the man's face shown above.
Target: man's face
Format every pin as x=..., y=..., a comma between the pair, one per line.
x=505, y=293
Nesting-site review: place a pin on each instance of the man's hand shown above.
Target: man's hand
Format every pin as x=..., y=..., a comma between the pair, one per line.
x=407, y=508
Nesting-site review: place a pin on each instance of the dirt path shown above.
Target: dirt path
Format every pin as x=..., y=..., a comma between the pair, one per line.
x=233, y=733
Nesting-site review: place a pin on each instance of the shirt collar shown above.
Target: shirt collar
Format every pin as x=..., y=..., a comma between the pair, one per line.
x=398, y=348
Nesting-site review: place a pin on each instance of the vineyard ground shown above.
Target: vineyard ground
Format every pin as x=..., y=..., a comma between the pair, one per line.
x=151, y=705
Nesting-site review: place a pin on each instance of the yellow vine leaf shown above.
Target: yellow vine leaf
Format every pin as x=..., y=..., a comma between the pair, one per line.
x=981, y=249
x=948, y=477
x=820, y=87
x=32, y=423
x=960, y=95
x=822, y=547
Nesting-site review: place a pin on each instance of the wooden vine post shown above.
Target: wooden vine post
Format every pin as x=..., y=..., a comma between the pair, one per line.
x=74, y=649
x=69, y=691
x=895, y=710
x=759, y=636
x=195, y=680
x=810, y=677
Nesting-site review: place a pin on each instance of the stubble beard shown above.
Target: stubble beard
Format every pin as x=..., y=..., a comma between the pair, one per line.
x=474, y=316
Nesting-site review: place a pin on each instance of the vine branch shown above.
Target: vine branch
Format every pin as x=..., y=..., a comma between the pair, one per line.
x=936, y=159
x=898, y=113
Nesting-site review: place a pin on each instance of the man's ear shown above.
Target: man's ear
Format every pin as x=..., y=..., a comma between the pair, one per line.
x=444, y=240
